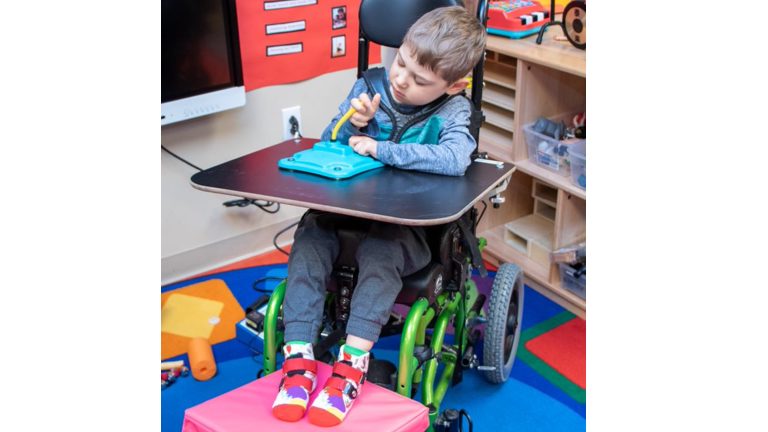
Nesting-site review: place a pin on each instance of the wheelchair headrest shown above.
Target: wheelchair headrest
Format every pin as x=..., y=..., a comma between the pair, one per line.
x=386, y=22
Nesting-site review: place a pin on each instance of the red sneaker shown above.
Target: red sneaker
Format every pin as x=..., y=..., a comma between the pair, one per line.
x=299, y=381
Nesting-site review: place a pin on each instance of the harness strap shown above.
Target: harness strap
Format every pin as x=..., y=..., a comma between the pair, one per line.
x=469, y=237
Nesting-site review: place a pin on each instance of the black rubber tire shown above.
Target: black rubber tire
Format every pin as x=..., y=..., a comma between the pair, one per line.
x=505, y=316
x=577, y=8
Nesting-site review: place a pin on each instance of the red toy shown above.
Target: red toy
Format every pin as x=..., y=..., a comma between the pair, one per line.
x=516, y=18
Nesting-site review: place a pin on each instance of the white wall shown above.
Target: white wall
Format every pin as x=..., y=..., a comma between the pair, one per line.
x=198, y=233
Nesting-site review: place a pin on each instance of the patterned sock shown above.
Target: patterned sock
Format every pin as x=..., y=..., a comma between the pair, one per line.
x=342, y=388
x=299, y=380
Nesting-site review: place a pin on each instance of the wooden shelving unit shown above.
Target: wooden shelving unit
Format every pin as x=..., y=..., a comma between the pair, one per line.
x=543, y=210
x=499, y=117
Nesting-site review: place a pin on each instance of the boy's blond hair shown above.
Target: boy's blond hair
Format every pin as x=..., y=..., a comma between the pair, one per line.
x=447, y=40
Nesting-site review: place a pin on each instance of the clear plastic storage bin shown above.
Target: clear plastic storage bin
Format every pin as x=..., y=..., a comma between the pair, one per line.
x=578, y=154
x=573, y=277
x=548, y=152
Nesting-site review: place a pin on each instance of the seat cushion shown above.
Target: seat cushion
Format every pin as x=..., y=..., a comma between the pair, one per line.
x=427, y=283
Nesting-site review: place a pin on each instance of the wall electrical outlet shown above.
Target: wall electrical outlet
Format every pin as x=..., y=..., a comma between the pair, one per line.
x=294, y=111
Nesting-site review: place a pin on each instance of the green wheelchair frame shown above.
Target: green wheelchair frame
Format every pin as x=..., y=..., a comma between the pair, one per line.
x=463, y=307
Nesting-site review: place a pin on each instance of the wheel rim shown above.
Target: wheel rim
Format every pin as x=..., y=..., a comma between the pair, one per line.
x=512, y=324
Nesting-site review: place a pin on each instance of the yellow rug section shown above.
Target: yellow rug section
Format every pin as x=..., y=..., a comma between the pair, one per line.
x=206, y=309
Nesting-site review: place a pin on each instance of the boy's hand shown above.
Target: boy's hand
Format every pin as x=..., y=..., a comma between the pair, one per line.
x=365, y=108
x=363, y=145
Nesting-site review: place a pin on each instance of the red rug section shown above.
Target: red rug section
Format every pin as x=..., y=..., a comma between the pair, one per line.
x=564, y=348
x=269, y=258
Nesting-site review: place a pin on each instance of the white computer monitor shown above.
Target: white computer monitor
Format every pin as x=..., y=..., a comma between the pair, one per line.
x=201, y=66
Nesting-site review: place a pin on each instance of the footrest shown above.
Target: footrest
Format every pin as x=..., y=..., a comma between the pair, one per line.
x=249, y=406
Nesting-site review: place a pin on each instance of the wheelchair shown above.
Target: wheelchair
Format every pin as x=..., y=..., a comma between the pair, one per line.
x=440, y=294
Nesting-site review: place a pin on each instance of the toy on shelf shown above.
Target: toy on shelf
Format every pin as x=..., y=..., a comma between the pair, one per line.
x=550, y=141
x=574, y=23
x=572, y=264
x=516, y=18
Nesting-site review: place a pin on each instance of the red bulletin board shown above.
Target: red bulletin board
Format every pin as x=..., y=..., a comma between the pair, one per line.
x=286, y=41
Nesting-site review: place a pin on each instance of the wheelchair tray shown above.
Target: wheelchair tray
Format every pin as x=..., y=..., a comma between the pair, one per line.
x=387, y=194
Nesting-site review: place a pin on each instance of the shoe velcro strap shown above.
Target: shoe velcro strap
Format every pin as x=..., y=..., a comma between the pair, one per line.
x=299, y=364
x=343, y=386
x=346, y=371
x=297, y=380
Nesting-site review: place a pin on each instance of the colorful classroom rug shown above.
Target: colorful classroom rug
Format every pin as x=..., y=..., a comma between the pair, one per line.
x=556, y=349
x=205, y=310
x=545, y=392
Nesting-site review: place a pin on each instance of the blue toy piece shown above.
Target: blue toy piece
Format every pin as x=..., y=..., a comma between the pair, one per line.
x=513, y=34
x=330, y=159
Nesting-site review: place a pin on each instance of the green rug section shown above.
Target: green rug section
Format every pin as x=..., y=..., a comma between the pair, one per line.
x=577, y=393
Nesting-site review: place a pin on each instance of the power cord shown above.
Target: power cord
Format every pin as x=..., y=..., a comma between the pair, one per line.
x=274, y=239
x=266, y=206
x=180, y=158
x=264, y=279
x=485, y=207
x=245, y=202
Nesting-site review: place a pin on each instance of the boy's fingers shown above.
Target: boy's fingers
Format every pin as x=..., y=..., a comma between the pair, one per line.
x=376, y=101
x=357, y=105
x=366, y=103
x=358, y=122
x=365, y=99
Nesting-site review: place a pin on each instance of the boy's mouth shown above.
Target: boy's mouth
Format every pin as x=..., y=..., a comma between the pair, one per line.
x=399, y=96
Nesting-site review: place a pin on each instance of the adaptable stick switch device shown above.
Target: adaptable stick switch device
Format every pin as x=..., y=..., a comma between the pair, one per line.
x=330, y=158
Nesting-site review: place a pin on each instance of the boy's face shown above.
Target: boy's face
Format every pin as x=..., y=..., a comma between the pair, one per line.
x=413, y=84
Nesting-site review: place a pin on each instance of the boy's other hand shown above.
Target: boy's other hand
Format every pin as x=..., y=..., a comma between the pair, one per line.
x=363, y=145
x=365, y=107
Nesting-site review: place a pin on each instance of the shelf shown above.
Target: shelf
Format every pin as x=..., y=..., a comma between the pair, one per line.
x=497, y=142
x=499, y=117
x=499, y=251
x=542, y=210
x=497, y=247
x=498, y=96
x=533, y=235
x=495, y=152
x=500, y=74
x=555, y=54
x=561, y=182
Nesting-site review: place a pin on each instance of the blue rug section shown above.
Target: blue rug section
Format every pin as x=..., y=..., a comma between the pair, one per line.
x=187, y=392
x=537, y=308
x=515, y=405
x=527, y=401
x=524, y=373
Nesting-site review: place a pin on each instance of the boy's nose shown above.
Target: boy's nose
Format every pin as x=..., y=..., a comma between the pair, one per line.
x=400, y=80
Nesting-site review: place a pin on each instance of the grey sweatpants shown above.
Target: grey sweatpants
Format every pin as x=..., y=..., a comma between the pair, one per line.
x=385, y=254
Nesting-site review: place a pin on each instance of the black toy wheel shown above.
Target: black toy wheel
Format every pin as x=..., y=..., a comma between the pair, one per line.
x=575, y=23
x=505, y=316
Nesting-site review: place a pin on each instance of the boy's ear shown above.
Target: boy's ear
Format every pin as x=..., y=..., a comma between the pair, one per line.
x=457, y=86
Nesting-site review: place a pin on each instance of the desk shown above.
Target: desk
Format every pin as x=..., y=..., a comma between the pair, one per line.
x=386, y=194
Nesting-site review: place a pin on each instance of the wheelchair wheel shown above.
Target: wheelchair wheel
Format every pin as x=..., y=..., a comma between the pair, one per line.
x=505, y=315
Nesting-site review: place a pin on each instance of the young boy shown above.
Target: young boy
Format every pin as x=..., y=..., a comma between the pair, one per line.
x=417, y=119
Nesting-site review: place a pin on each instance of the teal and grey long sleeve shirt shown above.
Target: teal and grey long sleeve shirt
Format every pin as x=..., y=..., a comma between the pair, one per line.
x=432, y=138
